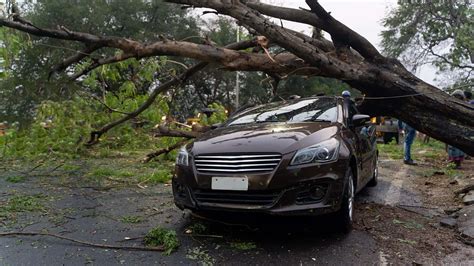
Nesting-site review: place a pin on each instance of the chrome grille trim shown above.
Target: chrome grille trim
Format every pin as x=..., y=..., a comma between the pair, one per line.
x=237, y=166
x=238, y=161
x=238, y=156
x=245, y=163
x=235, y=170
x=253, y=198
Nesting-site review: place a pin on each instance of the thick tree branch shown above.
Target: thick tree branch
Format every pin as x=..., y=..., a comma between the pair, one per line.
x=100, y=62
x=166, y=150
x=296, y=15
x=81, y=242
x=229, y=58
x=321, y=20
x=343, y=34
x=163, y=131
x=180, y=80
x=329, y=65
x=76, y=58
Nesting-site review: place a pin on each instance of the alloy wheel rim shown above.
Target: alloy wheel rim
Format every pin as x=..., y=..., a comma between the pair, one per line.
x=351, y=197
x=376, y=170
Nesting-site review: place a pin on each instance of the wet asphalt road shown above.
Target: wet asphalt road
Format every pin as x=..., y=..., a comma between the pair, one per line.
x=95, y=216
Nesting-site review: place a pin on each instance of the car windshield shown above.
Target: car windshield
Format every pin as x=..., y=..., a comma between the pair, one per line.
x=302, y=110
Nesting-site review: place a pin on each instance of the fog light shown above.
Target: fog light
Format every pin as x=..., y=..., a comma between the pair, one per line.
x=180, y=190
x=317, y=192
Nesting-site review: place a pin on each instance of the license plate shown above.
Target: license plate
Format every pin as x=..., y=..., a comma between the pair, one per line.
x=230, y=183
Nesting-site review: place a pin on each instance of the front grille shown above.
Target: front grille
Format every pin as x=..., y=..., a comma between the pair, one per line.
x=251, y=163
x=236, y=197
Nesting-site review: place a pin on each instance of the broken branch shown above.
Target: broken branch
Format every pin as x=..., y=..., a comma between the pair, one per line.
x=166, y=150
x=85, y=243
x=162, y=131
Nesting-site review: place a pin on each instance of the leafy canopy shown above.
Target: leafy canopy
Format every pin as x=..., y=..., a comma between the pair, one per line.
x=434, y=32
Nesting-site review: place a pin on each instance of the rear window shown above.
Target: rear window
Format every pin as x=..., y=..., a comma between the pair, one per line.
x=301, y=110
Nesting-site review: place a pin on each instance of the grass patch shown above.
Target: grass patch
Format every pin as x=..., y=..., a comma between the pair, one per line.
x=391, y=150
x=450, y=170
x=162, y=237
x=22, y=203
x=159, y=176
x=109, y=172
x=433, y=150
x=71, y=167
x=243, y=245
x=131, y=219
x=408, y=224
x=102, y=172
x=16, y=179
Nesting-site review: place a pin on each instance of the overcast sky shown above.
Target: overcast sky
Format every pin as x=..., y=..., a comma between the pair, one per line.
x=363, y=16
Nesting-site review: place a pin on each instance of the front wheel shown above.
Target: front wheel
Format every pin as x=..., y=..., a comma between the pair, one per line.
x=344, y=215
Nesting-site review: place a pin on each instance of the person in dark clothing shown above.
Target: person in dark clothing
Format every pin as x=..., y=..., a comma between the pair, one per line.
x=456, y=155
x=410, y=134
x=468, y=97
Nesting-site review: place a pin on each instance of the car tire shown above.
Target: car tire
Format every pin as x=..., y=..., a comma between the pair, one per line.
x=345, y=214
x=375, y=176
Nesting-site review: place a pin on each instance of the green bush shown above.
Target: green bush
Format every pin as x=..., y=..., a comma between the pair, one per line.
x=60, y=129
x=162, y=237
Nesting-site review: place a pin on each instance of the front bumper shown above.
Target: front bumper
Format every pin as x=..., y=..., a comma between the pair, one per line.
x=286, y=191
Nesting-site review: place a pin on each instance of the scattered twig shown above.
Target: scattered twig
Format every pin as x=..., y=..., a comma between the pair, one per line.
x=213, y=236
x=142, y=186
x=420, y=207
x=85, y=243
x=56, y=168
x=414, y=211
x=32, y=169
x=130, y=239
x=166, y=150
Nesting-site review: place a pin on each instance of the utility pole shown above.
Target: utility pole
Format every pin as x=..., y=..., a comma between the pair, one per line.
x=237, y=88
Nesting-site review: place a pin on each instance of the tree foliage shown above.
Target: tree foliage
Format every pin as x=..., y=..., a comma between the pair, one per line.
x=433, y=32
x=33, y=58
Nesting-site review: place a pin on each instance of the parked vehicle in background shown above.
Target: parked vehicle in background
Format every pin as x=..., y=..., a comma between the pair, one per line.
x=387, y=129
x=301, y=157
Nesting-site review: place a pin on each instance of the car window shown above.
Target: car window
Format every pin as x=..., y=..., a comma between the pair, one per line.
x=302, y=110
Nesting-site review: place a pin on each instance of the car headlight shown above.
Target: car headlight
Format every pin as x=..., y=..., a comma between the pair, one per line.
x=182, y=158
x=323, y=152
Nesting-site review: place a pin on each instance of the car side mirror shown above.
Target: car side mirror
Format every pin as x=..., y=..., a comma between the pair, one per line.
x=360, y=120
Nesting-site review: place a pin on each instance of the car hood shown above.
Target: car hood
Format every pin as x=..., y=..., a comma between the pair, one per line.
x=262, y=138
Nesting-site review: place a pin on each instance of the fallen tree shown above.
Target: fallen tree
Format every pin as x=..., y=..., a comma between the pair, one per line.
x=390, y=89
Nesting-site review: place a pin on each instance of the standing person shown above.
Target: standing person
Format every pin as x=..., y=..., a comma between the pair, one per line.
x=456, y=155
x=410, y=134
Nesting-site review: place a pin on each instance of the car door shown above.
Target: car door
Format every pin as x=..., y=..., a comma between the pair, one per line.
x=365, y=143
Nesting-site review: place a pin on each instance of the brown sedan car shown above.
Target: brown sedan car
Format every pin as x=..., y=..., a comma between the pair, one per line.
x=301, y=157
